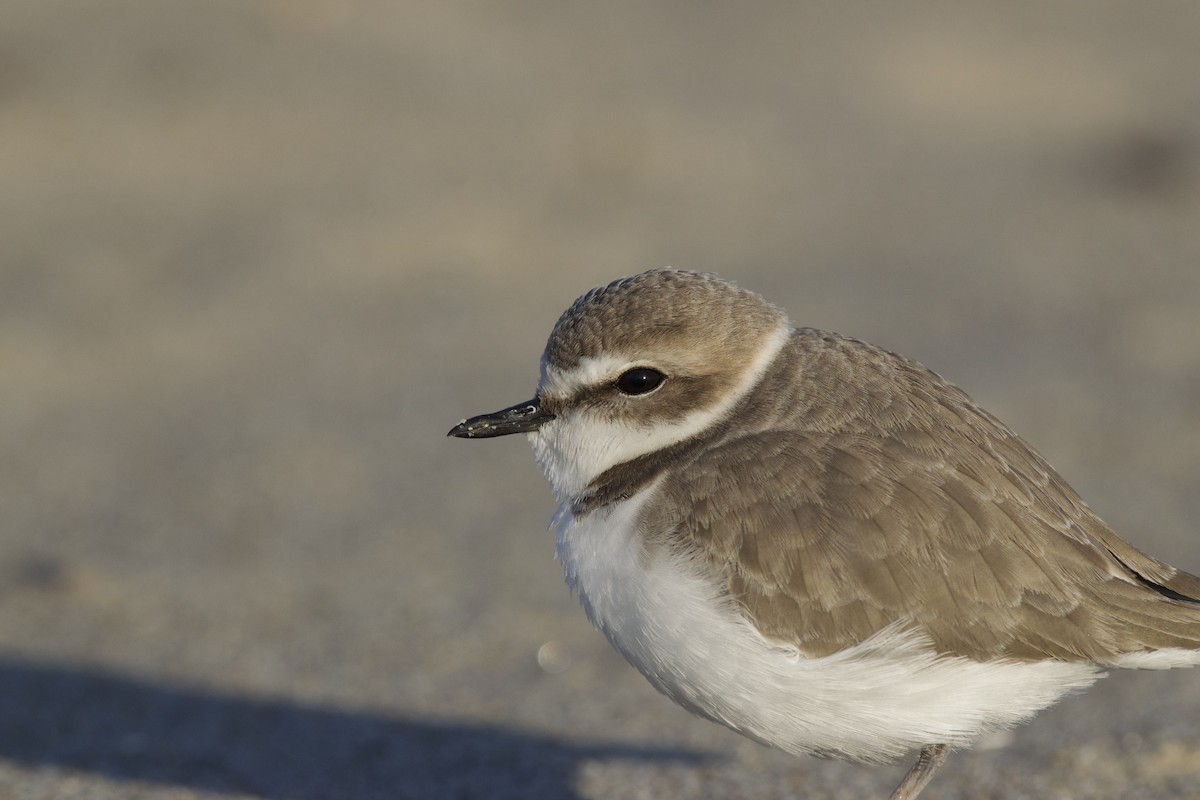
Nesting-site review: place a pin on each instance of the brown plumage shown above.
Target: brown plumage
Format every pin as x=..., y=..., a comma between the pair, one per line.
x=859, y=489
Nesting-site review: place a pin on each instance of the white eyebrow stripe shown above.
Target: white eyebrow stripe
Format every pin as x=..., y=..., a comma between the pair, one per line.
x=574, y=450
x=590, y=371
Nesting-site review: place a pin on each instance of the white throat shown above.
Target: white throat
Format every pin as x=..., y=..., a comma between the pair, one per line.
x=575, y=449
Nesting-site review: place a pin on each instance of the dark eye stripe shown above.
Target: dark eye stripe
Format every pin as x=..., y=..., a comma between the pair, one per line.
x=639, y=380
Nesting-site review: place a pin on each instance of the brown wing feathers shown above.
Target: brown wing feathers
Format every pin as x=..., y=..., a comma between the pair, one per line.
x=900, y=500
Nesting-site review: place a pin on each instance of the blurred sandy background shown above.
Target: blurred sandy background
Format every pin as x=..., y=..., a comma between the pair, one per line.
x=257, y=257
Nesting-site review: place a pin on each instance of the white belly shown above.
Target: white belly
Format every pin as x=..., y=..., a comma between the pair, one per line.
x=872, y=702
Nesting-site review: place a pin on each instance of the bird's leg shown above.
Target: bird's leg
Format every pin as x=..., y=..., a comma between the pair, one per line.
x=930, y=761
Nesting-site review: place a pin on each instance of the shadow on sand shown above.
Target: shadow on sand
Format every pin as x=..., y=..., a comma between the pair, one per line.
x=128, y=728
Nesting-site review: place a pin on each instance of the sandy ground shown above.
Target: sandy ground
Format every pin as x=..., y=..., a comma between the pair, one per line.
x=257, y=257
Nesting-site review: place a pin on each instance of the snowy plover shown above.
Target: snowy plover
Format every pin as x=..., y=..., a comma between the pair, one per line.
x=818, y=543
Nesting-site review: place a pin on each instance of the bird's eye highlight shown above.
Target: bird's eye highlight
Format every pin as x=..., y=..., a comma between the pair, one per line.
x=639, y=380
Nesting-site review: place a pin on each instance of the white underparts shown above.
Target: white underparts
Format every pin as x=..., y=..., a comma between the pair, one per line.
x=875, y=701
x=1168, y=658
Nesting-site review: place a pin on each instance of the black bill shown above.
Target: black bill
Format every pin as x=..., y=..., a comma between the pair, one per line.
x=521, y=418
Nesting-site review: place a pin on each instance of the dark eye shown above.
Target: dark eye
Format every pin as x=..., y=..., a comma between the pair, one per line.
x=640, y=380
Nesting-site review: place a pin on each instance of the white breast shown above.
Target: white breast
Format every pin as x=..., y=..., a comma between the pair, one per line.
x=872, y=702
